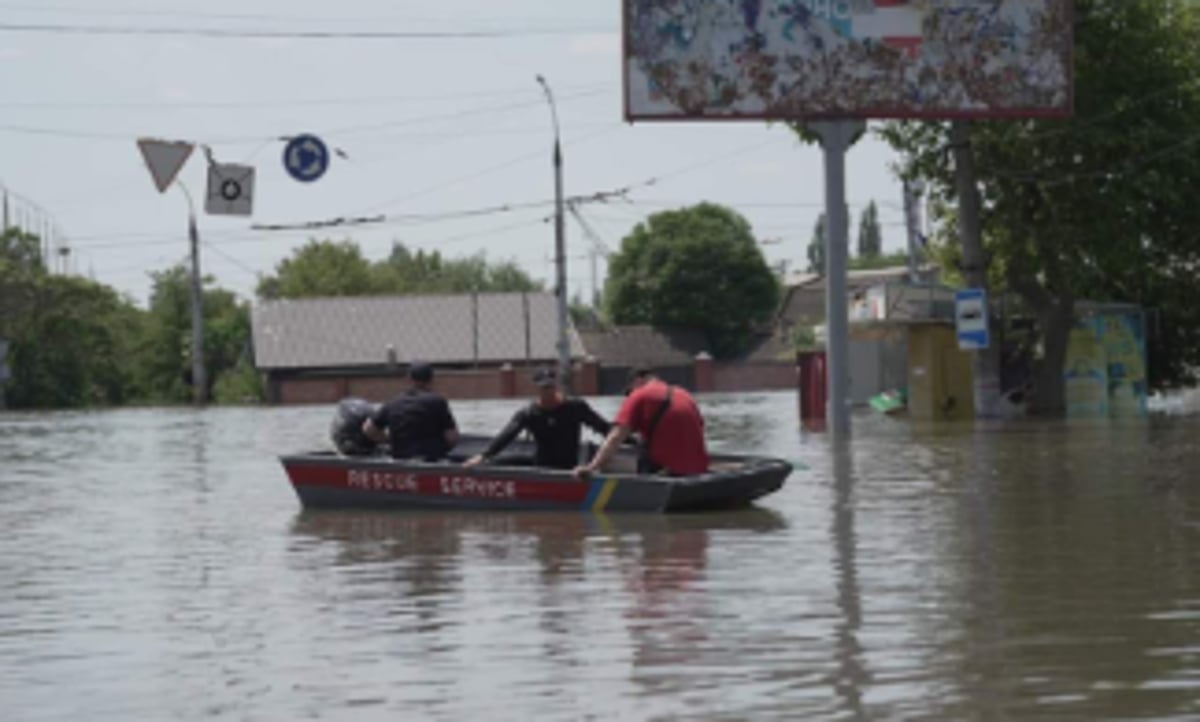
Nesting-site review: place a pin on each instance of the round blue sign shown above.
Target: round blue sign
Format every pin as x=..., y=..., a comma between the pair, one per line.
x=306, y=158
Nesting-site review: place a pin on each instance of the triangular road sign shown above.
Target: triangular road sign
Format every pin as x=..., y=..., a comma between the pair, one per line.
x=164, y=158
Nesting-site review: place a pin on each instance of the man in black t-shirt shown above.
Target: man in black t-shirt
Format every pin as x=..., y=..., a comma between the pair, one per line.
x=418, y=421
x=555, y=423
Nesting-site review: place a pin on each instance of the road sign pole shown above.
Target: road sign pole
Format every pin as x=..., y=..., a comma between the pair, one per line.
x=199, y=375
x=836, y=137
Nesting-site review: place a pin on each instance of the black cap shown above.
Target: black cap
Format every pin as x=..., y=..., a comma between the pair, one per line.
x=635, y=373
x=545, y=376
x=420, y=371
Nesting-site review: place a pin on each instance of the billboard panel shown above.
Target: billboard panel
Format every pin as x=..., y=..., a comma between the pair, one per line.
x=791, y=59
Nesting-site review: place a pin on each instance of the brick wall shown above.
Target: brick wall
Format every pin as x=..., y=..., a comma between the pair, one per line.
x=473, y=384
x=762, y=376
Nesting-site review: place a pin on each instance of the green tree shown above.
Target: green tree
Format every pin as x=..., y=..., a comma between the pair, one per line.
x=816, y=247
x=320, y=268
x=75, y=347
x=325, y=268
x=20, y=268
x=407, y=272
x=167, y=342
x=698, y=267
x=870, y=237
x=869, y=263
x=1100, y=206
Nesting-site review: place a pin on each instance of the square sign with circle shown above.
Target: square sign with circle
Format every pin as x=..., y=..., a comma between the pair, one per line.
x=230, y=190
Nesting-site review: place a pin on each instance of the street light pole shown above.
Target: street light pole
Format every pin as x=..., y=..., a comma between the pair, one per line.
x=560, y=255
x=199, y=377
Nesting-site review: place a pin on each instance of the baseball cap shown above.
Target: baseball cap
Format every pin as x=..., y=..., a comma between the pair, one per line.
x=420, y=371
x=545, y=376
x=635, y=373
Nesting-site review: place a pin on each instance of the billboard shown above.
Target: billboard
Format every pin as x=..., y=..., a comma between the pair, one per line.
x=792, y=59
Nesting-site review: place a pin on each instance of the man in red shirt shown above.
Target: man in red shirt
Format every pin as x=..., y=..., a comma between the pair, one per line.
x=667, y=419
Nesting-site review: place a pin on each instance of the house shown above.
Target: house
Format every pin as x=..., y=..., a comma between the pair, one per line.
x=318, y=350
x=670, y=352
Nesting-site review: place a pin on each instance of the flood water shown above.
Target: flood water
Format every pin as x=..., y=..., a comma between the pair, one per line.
x=155, y=565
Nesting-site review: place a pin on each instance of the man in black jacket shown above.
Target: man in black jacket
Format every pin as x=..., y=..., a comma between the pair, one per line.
x=418, y=422
x=555, y=422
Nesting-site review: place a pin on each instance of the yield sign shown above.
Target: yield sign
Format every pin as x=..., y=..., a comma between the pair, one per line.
x=164, y=159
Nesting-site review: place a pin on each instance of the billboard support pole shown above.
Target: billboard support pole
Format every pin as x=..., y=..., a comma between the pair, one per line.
x=836, y=138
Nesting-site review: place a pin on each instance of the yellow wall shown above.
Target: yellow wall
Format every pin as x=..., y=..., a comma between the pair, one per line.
x=939, y=376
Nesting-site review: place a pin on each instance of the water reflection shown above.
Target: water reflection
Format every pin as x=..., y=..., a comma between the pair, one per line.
x=851, y=673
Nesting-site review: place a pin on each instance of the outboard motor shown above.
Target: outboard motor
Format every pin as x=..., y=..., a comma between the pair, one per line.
x=346, y=428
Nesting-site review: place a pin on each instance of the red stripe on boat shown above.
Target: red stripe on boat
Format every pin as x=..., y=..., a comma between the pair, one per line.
x=448, y=485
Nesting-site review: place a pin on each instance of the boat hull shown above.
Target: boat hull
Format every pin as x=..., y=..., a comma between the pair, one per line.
x=327, y=480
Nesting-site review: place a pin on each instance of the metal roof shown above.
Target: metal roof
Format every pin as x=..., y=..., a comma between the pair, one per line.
x=637, y=345
x=315, y=333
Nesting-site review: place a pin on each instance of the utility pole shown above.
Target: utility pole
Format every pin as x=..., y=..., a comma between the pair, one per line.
x=913, y=191
x=560, y=255
x=598, y=247
x=985, y=362
x=199, y=376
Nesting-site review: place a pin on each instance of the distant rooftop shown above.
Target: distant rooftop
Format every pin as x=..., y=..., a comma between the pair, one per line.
x=447, y=329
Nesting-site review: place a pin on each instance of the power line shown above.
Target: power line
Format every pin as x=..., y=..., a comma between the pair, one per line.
x=344, y=131
x=141, y=12
x=481, y=173
x=231, y=259
x=284, y=103
x=262, y=34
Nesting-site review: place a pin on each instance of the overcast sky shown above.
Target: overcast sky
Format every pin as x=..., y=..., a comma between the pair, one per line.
x=428, y=126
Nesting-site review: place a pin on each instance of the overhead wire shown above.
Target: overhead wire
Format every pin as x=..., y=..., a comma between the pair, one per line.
x=266, y=33
x=143, y=12
x=126, y=136
x=284, y=103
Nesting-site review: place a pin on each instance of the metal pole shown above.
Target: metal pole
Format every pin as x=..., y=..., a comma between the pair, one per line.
x=836, y=136
x=560, y=255
x=912, y=225
x=528, y=339
x=199, y=377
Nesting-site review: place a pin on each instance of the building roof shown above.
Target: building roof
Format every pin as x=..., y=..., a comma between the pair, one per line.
x=804, y=298
x=644, y=345
x=358, y=331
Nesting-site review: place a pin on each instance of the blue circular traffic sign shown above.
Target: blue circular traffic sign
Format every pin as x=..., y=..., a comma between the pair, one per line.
x=306, y=158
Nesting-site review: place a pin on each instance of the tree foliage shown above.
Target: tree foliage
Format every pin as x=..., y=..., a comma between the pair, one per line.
x=870, y=236
x=816, y=247
x=320, y=268
x=697, y=267
x=78, y=343
x=167, y=341
x=328, y=268
x=1100, y=206
x=72, y=340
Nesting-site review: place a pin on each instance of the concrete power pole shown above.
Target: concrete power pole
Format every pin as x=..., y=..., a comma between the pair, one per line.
x=199, y=376
x=913, y=190
x=986, y=362
x=560, y=252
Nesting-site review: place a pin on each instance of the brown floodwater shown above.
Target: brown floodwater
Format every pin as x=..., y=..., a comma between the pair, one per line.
x=155, y=565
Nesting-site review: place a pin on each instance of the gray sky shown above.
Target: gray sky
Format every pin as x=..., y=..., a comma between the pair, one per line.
x=429, y=125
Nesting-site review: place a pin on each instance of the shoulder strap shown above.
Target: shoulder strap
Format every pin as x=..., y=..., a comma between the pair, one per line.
x=662, y=410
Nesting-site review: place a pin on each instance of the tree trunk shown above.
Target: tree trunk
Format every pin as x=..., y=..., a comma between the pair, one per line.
x=985, y=362
x=1050, y=389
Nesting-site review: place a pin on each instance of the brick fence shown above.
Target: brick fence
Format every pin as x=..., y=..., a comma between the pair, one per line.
x=507, y=382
